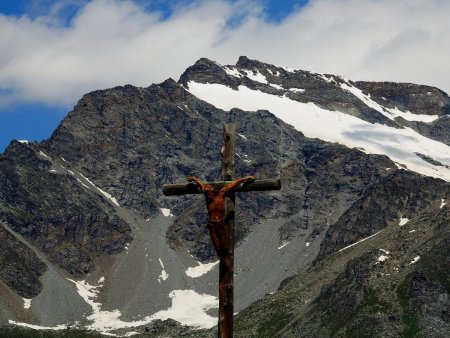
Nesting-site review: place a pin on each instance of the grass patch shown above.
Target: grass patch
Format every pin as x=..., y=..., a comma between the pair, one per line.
x=20, y=332
x=273, y=325
x=410, y=318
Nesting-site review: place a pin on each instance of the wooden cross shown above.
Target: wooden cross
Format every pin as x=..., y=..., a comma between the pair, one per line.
x=226, y=269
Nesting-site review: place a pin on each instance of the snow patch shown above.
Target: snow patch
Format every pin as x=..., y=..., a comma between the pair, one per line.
x=283, y=244
x=163, y=275
x=102, y=321
x=297, y=90
x=403, y=221
x=101, y=280
x=23, y=141
x=276, y=86
x=442, y=203
x=327, y=79
x=362, y=240
x=288, y=69
x=407, y=115
x=256, y=76
x=189, y=308
x=38, y=327
x=201, y=269
x=104, y=193
x=413, y=230
x=108, y=196
x=401, y=145
x=415, y=259
x=47, y=157
x=27, y=303
x=307, y=244
x=232, y=72
x=84, y=185
x=166, y=212
x=388, y=112
x=384, y=257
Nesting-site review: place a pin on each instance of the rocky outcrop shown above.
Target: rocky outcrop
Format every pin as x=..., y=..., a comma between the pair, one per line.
x=130, y=141
x=417, y=99
x=436, y=130
x=411, y=97
x=20, y=268
x=48, y=206
x=401, y=195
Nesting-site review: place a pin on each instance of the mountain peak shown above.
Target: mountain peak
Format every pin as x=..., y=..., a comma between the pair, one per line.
x=242, y=61
x=245, y=62
x=204, y=70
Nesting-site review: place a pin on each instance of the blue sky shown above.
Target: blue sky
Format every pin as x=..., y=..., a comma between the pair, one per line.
x=54, y=51
x=275, y=10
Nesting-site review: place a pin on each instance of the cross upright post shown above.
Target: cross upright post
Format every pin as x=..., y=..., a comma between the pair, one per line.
x=224, y=229
x=226, y=266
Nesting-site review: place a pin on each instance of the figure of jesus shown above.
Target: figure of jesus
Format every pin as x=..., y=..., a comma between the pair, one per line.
x=215, y=202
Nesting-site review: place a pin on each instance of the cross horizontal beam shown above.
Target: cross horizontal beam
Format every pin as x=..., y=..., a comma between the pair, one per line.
x=192, y=188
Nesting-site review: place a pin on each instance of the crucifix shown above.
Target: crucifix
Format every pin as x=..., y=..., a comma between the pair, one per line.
x=220, y=201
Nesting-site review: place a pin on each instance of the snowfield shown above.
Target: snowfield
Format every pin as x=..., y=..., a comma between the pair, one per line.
x=200, y=269
x=188, y=308
x=400, y=145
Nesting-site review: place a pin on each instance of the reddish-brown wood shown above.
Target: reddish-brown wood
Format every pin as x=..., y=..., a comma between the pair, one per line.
x=192, y=188
x=224, y=233
x=226, y=265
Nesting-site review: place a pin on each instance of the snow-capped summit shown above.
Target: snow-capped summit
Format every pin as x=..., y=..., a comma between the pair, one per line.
x=335, y=109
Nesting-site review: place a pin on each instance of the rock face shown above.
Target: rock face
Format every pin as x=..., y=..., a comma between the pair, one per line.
x=44, y=203
x=128, y=140
x=411, y=97
x=400, y=195
x=424, y=100
x=20, y=269
x=436, y=130
x=348, y=223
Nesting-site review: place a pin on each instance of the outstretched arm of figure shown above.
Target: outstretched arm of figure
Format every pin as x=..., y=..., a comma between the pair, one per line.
x=197, y=181
x=237, y=182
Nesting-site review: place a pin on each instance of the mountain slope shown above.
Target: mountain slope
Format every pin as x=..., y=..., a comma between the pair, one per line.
x=357, y=160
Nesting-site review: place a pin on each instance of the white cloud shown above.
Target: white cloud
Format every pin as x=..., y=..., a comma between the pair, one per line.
x=111, y=42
